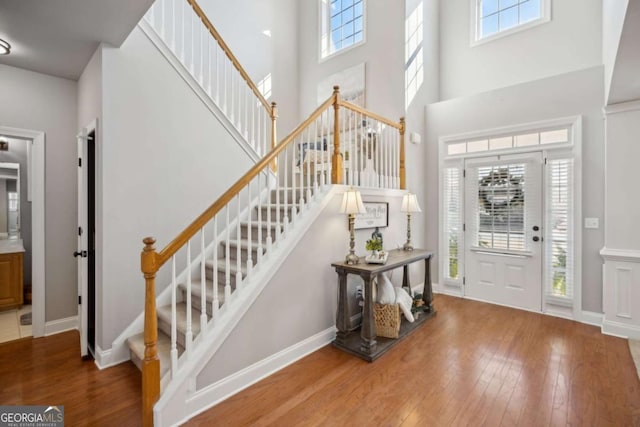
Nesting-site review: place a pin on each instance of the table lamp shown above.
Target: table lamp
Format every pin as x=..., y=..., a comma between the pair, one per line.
x=352, y=205
x=409, y=205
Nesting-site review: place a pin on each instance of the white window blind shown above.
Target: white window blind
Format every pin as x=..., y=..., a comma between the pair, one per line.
x=559, y=228
x=452, y=222
x=499, y=217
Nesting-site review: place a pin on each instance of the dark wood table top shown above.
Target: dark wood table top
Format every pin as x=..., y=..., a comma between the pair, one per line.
x=397, y=258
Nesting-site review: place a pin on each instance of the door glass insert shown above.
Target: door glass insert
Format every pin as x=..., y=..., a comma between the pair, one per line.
x=501, y=207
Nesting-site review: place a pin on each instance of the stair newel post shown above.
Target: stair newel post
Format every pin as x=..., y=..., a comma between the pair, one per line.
x=336, y=159
x=150, y=363
x=403, y=173
x=274, y=137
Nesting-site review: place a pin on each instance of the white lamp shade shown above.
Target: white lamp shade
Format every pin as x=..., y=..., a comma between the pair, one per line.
x=352, y=203
x=410, y=203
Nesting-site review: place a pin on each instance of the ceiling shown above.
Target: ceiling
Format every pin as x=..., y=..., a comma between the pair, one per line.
x=58, y=37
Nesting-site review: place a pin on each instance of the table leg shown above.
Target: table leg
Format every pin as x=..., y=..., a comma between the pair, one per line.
x=342, y=315
x=427, y=292
x=368, y=341
x=406, y=280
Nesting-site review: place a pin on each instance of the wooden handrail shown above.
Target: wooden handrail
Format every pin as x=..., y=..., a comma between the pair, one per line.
x=205, y=20
x=403, y=172
x=371, y=114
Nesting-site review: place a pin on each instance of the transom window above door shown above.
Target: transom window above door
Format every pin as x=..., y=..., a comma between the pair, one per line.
x=496, y=18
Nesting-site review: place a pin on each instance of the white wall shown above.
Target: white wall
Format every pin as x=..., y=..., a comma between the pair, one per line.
x=622, y=208
x=383, y=54
x=576, y=93
x=306, y=298
x=45, y=103
x=613, y=14
x=571, y=41
x=165, y=158
x=241, y=24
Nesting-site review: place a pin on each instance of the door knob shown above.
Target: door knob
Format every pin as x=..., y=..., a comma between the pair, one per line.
x=82, y=254
x=536, y=238
x=536, y=228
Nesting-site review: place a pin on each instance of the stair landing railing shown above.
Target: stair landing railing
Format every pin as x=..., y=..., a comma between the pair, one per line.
x=270, y=201
x=189, y=34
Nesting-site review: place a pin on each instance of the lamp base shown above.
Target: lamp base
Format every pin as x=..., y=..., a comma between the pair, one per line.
x=352, y=259
x=407, y=247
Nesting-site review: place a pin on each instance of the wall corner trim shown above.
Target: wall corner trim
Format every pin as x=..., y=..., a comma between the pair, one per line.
x=591, y=318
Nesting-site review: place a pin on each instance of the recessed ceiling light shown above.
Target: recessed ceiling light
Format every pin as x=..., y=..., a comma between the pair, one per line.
x=5, y=48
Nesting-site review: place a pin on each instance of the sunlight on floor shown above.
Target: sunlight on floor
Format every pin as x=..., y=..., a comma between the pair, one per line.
x=10, y=327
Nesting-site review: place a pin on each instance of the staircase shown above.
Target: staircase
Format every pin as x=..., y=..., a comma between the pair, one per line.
x=218, y=265
x=242, y=250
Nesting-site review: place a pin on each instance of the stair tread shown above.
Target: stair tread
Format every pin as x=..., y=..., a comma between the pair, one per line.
x=263, y=224
x=222, y=265
x=244, y=243
x=196, y=289
x=136, y=345
x=164, y=313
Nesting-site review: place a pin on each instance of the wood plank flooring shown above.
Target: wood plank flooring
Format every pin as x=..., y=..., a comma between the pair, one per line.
x=49, y=371
x=473, y=364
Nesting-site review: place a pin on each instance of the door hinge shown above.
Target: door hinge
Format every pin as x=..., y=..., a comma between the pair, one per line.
x=545, y=160
x=464, y=227
x=79, y=231
x=464, y=173
x=79, y=299
x=464, y=280
x=79, y=162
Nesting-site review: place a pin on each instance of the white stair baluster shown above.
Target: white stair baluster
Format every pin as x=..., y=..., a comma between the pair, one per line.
x=260, y=248
x=173, y=25
x=285, y=218
x=203, y=283
x=174, y=320
x=227, y=263
x=269, y=236
x=238, y=247
x=216, y=300
x=189, y=334
x=162, y=18
x=249, y=242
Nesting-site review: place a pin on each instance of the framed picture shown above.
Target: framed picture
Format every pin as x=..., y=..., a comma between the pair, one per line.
x=377, y=216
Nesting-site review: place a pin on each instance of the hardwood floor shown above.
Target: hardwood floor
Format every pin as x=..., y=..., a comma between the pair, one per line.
x=49, y=371
x=473, y=364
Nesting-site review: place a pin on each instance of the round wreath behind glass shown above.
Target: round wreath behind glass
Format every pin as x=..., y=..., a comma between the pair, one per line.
x=501, y=189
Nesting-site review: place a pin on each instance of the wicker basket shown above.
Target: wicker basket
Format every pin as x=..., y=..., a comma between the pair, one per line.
x=387, y=317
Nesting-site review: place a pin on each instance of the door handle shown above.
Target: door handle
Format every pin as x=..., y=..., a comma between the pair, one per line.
x=536, y=228
x=536, y=238
x=82, y=254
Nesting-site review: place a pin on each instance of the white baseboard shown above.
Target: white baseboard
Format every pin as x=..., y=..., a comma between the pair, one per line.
x=227, y=387
x=592, y=318
x=621, y=330
x=447, y=290
x=61, y=325
x=108, y=358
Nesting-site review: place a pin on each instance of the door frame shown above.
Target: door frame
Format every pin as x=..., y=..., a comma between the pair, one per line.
x=574, y=147
x=35, y=193
x=83, y=289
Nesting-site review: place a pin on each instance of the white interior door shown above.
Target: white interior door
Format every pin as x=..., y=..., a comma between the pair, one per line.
x=503, y=218
x=82, y=260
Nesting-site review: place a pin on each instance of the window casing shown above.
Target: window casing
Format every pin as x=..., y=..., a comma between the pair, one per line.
x=342, y=25
x=492, y=19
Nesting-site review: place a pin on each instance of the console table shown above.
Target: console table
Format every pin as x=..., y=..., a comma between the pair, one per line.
x=365, y=344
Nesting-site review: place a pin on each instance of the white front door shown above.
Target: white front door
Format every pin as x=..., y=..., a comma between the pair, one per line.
x=503, y=220
x=82, y=245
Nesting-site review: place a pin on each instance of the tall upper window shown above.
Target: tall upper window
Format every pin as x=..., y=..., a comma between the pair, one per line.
x=494, y=18
x=342, y=25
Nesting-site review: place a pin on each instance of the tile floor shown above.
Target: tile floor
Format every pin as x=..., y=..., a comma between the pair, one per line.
x=10, y=327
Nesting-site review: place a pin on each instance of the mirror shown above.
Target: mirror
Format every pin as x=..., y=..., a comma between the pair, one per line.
x=9, y=201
